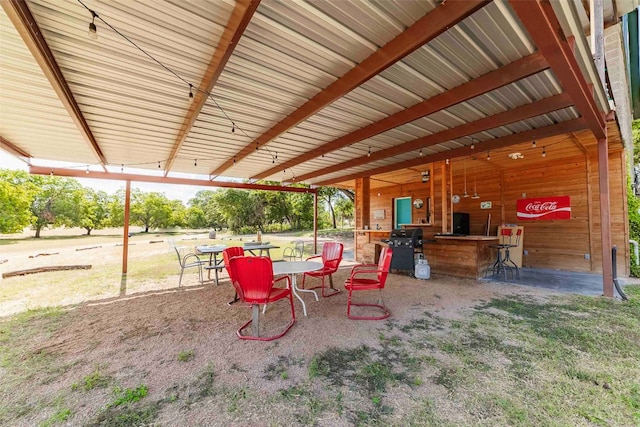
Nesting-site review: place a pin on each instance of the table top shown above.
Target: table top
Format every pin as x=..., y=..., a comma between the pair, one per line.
x=293, y=267
x=208, y=249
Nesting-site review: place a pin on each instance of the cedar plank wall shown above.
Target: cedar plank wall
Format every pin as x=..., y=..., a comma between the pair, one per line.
x=556, y=244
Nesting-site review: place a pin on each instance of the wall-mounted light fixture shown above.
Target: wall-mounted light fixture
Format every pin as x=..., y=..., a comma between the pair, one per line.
x=426, y=176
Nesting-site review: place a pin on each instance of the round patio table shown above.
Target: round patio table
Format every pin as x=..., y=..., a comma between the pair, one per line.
x=292, y=268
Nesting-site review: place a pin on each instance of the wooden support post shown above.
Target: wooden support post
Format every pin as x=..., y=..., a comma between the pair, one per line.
x=363, y=209
x=605, y=217
x=315, y=222
x=125, y=239
x=443, y=196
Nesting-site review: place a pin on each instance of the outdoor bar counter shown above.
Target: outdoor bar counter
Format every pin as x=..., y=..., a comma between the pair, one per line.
x=461, y=256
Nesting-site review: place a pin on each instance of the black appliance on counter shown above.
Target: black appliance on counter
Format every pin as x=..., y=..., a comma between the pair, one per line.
x=461, y=224
x=405, y=243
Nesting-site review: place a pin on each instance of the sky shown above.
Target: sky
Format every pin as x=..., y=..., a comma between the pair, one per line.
x=171, y=191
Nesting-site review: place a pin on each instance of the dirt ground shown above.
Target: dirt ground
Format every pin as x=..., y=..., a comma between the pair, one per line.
x=138, y=339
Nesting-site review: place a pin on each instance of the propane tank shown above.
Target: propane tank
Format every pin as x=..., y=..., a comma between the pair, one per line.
x=423, y=269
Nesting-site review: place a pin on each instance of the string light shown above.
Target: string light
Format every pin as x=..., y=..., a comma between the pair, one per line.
x=122, y=168
x=447, y=161
x=473, y=145
x=488, y=155
x=369, y=152
x=533, y=144
x=87, y=171
x=93, y=30
x=93, y=34
x=195, y=162
x=421, y=151
x=544, y=152
x=159, y=165
x=234, y=160
x=51, y=174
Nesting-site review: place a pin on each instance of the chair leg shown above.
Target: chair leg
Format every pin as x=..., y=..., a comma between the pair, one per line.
x=180, y=280
x=255, y=316
x=380, y=305
x=324, y=293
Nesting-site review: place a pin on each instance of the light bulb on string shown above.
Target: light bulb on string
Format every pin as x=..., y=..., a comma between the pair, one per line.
x=421, y=151
x=533, y=144
x=195, y=162
x=488, y=155
x=233, y=128
x=473, y=145
x=122, y=168
x=369, y=152
x=159, y=165
x=93, y=30
x=234, y=160
x=190, y=93
x=544, y=152
x=87, y=171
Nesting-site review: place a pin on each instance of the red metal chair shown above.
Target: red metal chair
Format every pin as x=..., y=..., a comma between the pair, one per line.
x=254, y=283
x=331, y=257
x=227, y=254
x=361, y=280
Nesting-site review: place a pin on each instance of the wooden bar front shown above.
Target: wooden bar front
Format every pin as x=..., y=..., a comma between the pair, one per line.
x=461, y=256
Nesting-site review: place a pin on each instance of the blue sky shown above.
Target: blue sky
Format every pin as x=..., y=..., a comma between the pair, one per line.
x=173, y=192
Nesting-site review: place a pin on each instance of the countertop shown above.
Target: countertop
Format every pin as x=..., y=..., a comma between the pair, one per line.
x=374, y=231
x=473, y=238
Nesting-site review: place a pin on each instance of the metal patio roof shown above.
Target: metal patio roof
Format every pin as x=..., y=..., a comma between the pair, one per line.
x=310, y=91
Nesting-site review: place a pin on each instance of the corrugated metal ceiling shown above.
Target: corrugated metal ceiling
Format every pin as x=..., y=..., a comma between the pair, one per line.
x=289, y=52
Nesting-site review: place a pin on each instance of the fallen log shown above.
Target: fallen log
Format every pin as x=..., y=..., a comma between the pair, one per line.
x=43, y=254
x=85, y=249
x=2, y=261
x=45, y=269
x=156, y=241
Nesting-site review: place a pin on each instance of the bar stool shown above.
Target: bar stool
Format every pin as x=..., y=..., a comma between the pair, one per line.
x=505, y=263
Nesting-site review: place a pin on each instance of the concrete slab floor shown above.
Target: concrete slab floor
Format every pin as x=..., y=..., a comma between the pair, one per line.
x=561, y=281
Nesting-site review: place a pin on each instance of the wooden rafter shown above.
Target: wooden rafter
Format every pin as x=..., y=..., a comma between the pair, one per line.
x=422, y=31
x=494, y=144
x=540, y=21
x=26, y=25
x=503, y=76
x=12, y=148
x=240, y=17
x=534, y=109
x=77, y=173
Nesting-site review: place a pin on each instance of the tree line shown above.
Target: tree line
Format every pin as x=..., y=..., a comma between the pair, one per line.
x=51, y=201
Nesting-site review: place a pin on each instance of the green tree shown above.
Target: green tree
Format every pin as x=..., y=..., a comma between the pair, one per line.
x=344, y=209
x=240, y=209
x=195, y=217
x=207, y=202
x=16, y=192
x=93, y=209
x=150, y=210
x=55, y=201
x=115, y=208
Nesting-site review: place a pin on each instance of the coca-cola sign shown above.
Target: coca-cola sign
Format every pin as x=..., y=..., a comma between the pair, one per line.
x=544, y=208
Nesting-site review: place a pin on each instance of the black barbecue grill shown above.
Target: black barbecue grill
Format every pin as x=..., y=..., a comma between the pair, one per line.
x=406, y=242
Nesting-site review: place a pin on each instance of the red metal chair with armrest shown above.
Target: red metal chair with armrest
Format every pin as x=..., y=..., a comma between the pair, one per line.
x=227, y=254
x=331, y=258
x=362, y=279
x=254, y=282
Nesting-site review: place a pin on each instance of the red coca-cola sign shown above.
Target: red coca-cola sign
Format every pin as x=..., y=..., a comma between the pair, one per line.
x=544, y=208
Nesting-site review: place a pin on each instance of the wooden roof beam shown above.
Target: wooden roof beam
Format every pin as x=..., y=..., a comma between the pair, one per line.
x=494, y=144
x=542, y=24
x=425, y=29
x=77, y=173
x=26, y=25
x=238, y=21
x=12, y=148
x=503, y=76
x=534, y=109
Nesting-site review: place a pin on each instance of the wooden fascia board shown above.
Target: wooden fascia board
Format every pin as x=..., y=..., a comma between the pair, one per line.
x=543, y=27
x=77, y=173
x=425, y=29
x=238, y=21
x=492, y=80
x=13, y=149
x=26, y=25
x=494, y=144
x=527, y=111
